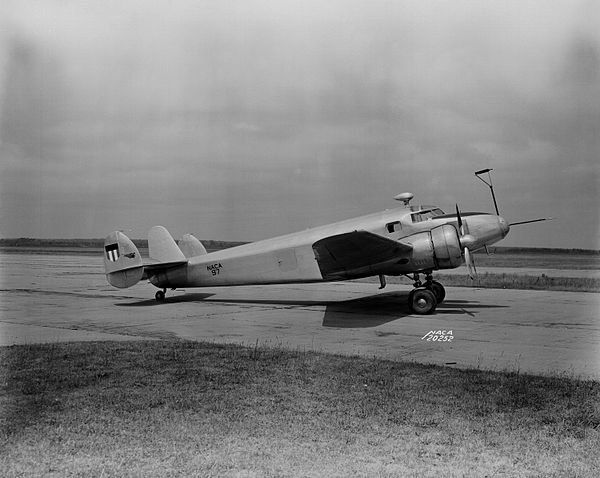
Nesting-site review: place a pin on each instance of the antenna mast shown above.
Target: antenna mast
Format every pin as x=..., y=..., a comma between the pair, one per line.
x=490, y=185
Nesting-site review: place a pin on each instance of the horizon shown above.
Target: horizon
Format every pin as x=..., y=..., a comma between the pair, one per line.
x=138, y=239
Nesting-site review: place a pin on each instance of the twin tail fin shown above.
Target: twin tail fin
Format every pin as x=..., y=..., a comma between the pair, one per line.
x=123, y=263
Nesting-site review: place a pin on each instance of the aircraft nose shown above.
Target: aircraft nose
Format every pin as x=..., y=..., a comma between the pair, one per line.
x=504, y=227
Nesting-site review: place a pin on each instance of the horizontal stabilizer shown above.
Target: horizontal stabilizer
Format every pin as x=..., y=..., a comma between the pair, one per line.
x=154, y=267
x=122, y=261
x=191, y=246
x=162, y=247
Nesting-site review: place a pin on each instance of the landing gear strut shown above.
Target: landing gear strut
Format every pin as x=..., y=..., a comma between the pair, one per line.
x=424, y=298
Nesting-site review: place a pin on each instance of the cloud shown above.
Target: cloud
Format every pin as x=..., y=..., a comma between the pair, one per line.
x=302, y=112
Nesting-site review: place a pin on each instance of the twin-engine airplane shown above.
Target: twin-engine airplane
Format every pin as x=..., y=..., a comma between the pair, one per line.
x=408, y=240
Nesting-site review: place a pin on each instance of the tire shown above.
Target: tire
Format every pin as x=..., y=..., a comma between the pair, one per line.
x=160, y=296
x=410, y=299
x=422, y=301
x=438, y=290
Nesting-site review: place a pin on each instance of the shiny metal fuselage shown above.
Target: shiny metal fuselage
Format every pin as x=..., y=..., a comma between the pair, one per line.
x=291, y=258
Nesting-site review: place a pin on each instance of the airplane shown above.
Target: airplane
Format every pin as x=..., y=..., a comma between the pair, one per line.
x=409, y=240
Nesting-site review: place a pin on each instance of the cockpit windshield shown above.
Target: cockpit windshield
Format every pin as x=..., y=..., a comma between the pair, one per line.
x=423, y=213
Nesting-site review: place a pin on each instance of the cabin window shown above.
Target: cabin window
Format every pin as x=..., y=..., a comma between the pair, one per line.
x=393, y=226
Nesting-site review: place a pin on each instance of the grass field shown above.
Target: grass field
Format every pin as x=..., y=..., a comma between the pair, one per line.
x=196, y=409
x=491, y=280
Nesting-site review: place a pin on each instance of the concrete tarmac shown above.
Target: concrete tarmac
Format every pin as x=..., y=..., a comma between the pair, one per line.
x=53, y=298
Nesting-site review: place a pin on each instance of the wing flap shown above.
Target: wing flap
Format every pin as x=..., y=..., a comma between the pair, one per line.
x=356, y=253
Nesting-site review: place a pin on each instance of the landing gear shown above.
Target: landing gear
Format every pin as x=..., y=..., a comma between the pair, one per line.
x=437, y=289
x=425, y=297
x=160, y=295
x=422, y=301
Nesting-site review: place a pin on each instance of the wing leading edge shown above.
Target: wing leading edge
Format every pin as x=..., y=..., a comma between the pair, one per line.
x=357, y=254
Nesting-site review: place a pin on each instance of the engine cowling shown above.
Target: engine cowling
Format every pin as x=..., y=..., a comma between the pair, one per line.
x=446, y=247
x=435, y=249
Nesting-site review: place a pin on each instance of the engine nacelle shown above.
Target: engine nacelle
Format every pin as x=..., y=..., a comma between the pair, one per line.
x=446, y=247
x=435, y=249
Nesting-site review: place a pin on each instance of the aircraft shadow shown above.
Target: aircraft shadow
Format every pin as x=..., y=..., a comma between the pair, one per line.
x=364, y=312
x=375, y=310
x=194, y=297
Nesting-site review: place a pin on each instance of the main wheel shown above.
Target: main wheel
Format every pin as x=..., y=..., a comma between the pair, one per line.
x=422, y=301
x=160, y=296
x=438, y=290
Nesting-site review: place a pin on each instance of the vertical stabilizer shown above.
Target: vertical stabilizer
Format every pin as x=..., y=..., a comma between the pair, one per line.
x=191, y=246
x=122, y=261
x=162, y=247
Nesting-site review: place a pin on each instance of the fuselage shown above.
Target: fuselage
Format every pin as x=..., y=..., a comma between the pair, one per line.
x=292, y=258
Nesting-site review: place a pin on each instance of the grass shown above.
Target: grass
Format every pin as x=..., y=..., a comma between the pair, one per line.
x=176, y=408
x=565, y=259
x=491, y=280
x=518, y=281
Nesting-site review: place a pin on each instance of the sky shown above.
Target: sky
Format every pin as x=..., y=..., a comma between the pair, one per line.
x=242, y=120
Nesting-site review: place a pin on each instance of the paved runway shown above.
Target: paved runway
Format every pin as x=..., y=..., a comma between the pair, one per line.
x=46, y=298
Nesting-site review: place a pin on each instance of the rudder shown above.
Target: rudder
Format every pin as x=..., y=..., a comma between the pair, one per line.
x=191, y=246
x=162, y=247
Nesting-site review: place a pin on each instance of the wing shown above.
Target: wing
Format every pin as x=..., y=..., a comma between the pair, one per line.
x=355, y=254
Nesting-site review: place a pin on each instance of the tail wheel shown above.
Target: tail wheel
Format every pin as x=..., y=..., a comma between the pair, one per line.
x=160, y=296
x=438, y=290
x=422, y=301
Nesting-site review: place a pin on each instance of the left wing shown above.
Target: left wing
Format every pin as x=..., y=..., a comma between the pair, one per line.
x=357, y=253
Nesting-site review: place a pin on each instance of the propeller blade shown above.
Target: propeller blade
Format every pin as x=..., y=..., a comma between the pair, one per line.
x=463, y=228
x=466, y=239
x=470, y=264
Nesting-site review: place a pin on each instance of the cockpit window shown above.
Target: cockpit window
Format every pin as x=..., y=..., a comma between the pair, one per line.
x=426, y=214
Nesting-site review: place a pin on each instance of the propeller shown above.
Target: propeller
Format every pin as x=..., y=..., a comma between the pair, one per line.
x=470, y=264
x=465, y=238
